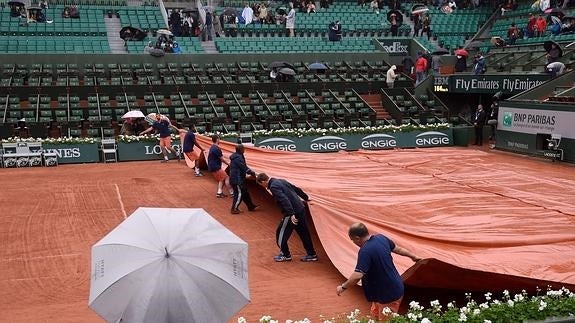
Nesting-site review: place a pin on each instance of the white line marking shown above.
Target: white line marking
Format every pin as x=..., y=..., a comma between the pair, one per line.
x=39, y=257
x=120, y=200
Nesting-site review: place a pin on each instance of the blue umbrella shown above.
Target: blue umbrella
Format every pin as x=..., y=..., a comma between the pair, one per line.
x=317, y=66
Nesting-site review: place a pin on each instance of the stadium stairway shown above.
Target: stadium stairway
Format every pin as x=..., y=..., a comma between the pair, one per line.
x=113, y=27
x=374, y=101
x=209, y=47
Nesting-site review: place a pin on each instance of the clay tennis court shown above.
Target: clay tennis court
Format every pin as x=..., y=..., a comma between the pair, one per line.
x=502, y=218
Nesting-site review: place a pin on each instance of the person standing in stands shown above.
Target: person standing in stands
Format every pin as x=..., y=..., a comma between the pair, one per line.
x=215, y=161
x=381, y=282
x=420, y=69
x=290, y=20
x=162, y=126
x=238, y=172
x=478, y=122
x=289, y=199
x=391, y=76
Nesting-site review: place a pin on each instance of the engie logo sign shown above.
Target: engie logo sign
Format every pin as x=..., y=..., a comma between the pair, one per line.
x=278, y=144
x=378, y=141
x=328, y=143
x=431, y=139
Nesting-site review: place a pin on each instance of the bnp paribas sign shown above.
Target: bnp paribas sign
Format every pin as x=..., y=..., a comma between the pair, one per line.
x=511, y=84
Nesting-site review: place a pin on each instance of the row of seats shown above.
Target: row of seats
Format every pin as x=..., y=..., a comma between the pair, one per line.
x=297, y=44
x=204, y=107
x=38, y=44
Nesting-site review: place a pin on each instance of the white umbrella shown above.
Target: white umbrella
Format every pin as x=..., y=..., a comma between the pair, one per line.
x=169, y=265
x=133, y=114
x=164, y=32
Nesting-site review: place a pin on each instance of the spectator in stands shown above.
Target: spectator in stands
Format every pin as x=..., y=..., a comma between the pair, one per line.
x=394, y=25
x=480, y=66
x=248, y=14
x=461, y=63
x=417, y=25
x=421, y=67
x=541, y=26
x=66, y=12
x=555, y=68
x=128, y=127
x=374, y=5
x=208, y=26
x=407, y=63
x=263, y=13
x=310, y=7
x=217, y=25
x=323, y=4
x=512, y=34
x=436, y=64
x=391, y=76
x=478, y=122
x=426, y=23
x=531, y=27
x=553, y=54
x=334, y=33
x=290, y=20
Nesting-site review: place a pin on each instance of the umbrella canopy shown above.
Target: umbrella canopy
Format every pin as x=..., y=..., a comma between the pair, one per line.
x=286, y=71
x=548, y=45
x=317, y=66
x=280, y=65
x=419, y=9
x=169, y=265
x=133, y=114
x=16, y=3
x=398, y=16
x=497, y=41
x=555, y=12
x=462, y=52
x=555, y=20
x=230, y=12
x=130, y=32
x=281, y=10
x=208, y=8
x=446, y=9
x=440, y=51
x=164, y=32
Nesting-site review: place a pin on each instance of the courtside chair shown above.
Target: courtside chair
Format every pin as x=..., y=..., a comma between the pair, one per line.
x=109, y=150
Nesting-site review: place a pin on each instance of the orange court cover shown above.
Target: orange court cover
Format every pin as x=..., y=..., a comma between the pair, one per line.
x=482, y=220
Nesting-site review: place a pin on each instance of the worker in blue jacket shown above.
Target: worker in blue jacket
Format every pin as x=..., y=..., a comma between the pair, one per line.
x=292, y=202
x=238, y=172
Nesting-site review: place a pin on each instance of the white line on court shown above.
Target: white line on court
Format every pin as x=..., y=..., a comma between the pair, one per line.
x=120, y=200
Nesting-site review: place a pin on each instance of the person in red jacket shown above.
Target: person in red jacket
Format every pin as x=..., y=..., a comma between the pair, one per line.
x=420, y=69
x=541, y=25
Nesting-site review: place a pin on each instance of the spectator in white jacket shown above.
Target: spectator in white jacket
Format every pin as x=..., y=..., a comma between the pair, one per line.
x=391, y=75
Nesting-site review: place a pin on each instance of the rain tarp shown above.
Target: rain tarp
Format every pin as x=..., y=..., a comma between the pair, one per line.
x=482, y=220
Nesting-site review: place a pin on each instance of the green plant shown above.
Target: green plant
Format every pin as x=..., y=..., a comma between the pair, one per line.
x=519, y=308
x=53, y=141
x=298, y=132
